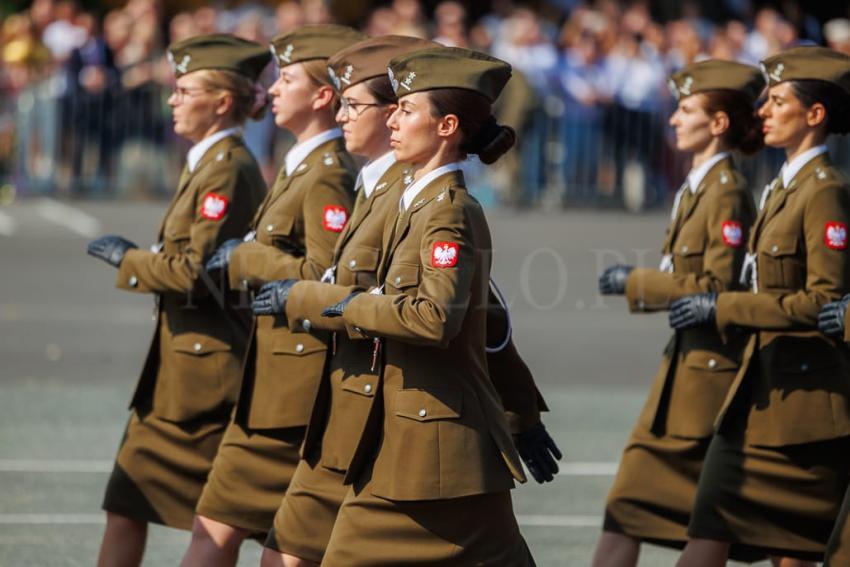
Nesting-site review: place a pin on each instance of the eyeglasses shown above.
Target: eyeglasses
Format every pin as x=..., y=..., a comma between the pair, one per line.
x=355, y=109
x=179, y=93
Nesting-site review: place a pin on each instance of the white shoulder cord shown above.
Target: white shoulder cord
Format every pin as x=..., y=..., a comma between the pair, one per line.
x=501, y=299
x=749, y=270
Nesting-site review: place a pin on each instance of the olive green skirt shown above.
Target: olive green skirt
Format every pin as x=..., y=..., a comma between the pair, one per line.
x=780, y=500
x=249, y=477
x=472, y=530
x=161, y=469
x=305, y=519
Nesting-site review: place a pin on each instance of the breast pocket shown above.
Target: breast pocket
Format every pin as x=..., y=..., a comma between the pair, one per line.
x=781, y=265
x=688, y=252
x=176, y=238
x=422, y=405
x=402, y=278
x=279, y=231
x=358, y=265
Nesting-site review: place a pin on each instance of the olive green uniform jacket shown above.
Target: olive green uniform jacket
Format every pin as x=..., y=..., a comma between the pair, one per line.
x=800, y=393
x=296, y=230
x=442, y=431
x=707, y=242
x=193, y=366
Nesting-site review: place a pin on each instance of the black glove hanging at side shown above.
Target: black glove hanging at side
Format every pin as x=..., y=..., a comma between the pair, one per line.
x=831, y=317
x=539, y=452
x=110, y=249
x=271, y=299
x=693, y=311
x=336, y=309
x=613, y=280
x=220, y=259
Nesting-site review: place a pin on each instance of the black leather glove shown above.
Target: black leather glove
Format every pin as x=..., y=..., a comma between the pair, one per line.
x=271, y=299
x=220, y=259
x=539, y=453
x=831, y=317
x=110, y=249
x=336, y=309
x=613, y=280
x=693, y=311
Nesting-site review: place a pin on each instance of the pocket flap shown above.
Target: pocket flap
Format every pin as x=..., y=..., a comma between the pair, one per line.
x=365, y=386
x=402, y=276
x=279, y=225
x=194, y=343
x=711, y=361
x=780, y=245
x=360, y=258
x=298, y=345
x=690, y=245
x=426, y=406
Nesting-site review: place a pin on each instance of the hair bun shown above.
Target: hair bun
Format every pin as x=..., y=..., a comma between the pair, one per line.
x=495, y=140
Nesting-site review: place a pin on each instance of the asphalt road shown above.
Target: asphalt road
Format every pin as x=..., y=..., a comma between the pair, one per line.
x=71, y=347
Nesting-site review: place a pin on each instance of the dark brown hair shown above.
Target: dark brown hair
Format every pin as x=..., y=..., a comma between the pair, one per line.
x=241, y=88
x=481, y=134
x=831, y=96
x=744, y=132
x=380, y=88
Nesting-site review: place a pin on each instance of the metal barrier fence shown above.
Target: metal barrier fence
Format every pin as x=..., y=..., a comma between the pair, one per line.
x=119, y=143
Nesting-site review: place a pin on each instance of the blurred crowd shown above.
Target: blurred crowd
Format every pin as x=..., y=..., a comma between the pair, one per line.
x=589, y=99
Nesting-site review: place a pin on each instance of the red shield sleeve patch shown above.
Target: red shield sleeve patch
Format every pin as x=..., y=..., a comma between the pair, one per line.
x=214, y=206
x=733, y=233
x=334, y=218
x=444, y=254
x=835, y=235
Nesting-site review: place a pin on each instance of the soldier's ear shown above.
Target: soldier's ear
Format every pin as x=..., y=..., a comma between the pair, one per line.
x=719, y=123
x=448, y=125
x=816, y=115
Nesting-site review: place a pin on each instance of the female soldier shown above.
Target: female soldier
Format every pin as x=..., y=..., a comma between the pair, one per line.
x=304, y=522
x=433, y=467
x=777, y=468
x=703, y=251
x=293, y=235
x=190, y=379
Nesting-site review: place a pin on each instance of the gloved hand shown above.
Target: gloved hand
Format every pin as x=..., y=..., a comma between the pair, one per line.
x=539, y=452
x=693, y=311
x=831, y=317
x=613, y=280
x=110, y=249
x=220, y=259
x=271, y=299
x=336, y=309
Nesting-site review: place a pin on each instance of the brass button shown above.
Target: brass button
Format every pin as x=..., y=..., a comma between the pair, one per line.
x=269, y=227
x=133, y=281
x=367, y=388
x=352, y=263
x=775, y=248
x=299, y=348
x=684, y=249
x=422, y=412
x=307, y=325
x=397, y=280
x=197, y=347
x=712, y=363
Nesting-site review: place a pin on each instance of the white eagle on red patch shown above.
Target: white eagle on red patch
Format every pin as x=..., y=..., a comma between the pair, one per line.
x=733, y=233
x=334, y=218
x=835, y=235
x=214, y=206
x=444, y=254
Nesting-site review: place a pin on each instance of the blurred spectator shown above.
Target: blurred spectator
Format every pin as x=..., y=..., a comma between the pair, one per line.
x=450, y=24
x=837, y=34
x=409, y=19
x=63, y=35
x=521, y=43
x=289, y=16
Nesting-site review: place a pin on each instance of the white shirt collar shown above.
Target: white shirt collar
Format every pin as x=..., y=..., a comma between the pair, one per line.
x=698, y=173
x=417, y=186
x=790, y=170
x=299, y=152
x=197, y=151
x=373, y=171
